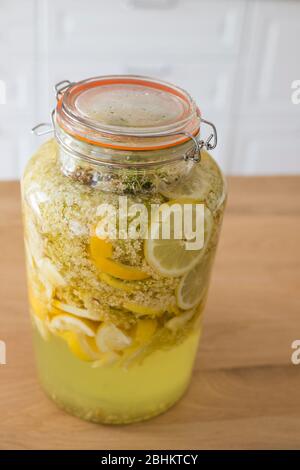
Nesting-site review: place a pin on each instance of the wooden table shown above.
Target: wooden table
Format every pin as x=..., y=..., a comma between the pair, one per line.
x=245, y=391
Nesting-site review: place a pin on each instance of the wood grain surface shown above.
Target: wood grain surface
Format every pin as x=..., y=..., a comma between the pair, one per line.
x=245, y=391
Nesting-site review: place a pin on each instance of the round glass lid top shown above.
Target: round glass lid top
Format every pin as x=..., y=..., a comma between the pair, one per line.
x=127, y=106
x=131, y=105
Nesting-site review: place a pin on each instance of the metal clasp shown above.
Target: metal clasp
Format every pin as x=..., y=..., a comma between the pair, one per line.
x=210, y=143
x=46, y=127
x=42, y=129
x=62, y=86
x=207, y=143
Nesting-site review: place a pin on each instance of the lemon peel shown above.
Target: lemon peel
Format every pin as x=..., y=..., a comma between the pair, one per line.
x=110, y=338
x=142, y=309
x=66, y=322
x=61, y=307
x=120, y=270
x=117, y=284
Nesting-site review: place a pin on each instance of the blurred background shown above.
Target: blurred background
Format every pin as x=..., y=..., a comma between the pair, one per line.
x=238, y=58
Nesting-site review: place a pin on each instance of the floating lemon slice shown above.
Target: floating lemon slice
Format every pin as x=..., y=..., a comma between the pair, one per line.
x=142, y=309
x=60, y=307
x=39, y=308
x=100, y=247
x=65, y=322
x=34, y=243
x=117, y=284
x=174, y=309
x=170, y=257
x=110, y=338
x=120, y=270
x=178, y=322
x=106, y=359
x=144, y=331
x=29, y=257
x=41, y=326
x=199, y=183
x=83, y=347
x=192, y=287
x=50, y=272
x=101, y=251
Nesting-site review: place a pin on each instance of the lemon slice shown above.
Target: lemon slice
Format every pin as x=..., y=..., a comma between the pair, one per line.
x=170, y=257
x=110, y=338
x=60, y=307
x=41, y=326
x=193, y=286
x=34, y=243
x=29, y=257
x=178, y=322
x=50, y=272
x=101, y=251
x=100, y=247
x=48, y=288
x=142, y=309
x=174, y=309
x=122, y=271
x=106, y=359
x=39, y=308
x=145, y=329
x=81, y=346
x=204, y=175
x=116, y=283
x=89, y=347
x=65, y=322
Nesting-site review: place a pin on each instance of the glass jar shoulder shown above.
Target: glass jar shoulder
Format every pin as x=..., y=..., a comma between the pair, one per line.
x=204, y=182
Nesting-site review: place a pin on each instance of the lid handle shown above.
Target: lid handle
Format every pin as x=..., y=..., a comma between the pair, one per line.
x=62, y=86
x=42, y=129
x=211, y=142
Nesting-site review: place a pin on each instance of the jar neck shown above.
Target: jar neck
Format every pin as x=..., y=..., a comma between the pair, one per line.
x=122, y=171
x=98, y=155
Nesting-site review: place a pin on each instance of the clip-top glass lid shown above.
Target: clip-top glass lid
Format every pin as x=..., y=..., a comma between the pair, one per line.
x=127, y=112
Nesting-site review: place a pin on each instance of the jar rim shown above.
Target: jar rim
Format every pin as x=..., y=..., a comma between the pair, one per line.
x=77, y=107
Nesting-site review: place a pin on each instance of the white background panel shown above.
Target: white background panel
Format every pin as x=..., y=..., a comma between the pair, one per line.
x=238, y=58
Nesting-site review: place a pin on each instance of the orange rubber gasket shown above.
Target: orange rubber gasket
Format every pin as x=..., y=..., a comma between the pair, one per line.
x=76, y=89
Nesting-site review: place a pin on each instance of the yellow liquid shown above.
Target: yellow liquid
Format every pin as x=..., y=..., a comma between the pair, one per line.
x=113, y=394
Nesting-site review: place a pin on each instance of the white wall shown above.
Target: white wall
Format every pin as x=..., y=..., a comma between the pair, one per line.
x=238, y=58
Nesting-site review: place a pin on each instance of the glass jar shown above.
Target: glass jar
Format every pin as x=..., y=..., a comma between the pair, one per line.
x=116, y=303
